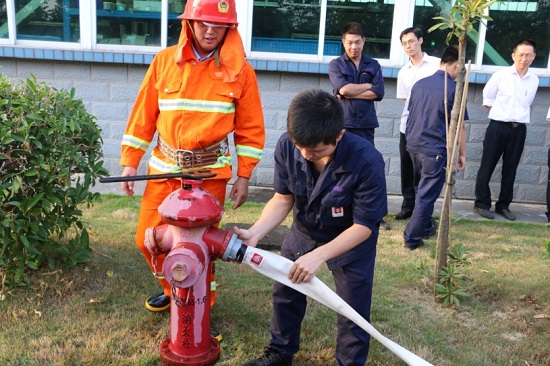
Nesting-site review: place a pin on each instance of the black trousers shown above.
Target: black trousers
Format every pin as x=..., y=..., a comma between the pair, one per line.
x=408, y=181
x=548, y=189
x=506, y=140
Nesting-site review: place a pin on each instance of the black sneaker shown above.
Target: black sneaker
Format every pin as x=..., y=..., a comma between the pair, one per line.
x=215, y=334
x=158, y=302
x=271, y=357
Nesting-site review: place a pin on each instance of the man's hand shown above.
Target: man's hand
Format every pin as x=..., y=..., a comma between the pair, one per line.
x=305, y=267
x=461, y=162
x=239, y=192
x=128, y=187
x=246, y=236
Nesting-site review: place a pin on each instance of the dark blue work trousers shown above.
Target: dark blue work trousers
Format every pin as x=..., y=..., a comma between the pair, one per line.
x=353, y=284
x=431, y=172
x=501, y=139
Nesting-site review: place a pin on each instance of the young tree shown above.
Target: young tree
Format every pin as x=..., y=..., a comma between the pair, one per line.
x=460, y=21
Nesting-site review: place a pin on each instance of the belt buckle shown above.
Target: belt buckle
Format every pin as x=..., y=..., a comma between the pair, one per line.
x=184, y=158
x=515, y=125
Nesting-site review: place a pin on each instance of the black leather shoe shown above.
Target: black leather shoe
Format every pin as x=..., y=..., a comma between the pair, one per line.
x=215, y=334
x=483, y=212
x=414, y=247
x=403, y=215
x=384, y=225
x=271, y=357
x=158, y=302
x=506, y=213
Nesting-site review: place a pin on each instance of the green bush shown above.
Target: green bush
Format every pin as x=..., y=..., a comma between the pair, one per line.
x=50, y=155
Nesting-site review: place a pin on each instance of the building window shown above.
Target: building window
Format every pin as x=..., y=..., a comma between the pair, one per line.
x=294, y=26
x=137, y=22
x=513, y=21
x=290, y=26
x=3, y=20
x=47, y=20
x=424, y=12
x=376, y=17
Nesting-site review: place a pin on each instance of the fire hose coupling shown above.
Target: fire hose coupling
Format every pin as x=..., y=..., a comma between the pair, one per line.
x=224, y=244
x=235, y=250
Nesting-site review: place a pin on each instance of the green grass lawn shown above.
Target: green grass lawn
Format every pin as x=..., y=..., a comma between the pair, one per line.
x=93, y=314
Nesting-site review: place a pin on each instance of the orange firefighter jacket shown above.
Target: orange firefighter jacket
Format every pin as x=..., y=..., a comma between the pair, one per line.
x=194, y=104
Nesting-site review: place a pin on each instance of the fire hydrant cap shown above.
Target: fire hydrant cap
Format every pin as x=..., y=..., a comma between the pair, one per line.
x=191, y=206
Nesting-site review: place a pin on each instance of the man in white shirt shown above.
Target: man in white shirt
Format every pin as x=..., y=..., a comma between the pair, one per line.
x=420, y=65
x=508, y=95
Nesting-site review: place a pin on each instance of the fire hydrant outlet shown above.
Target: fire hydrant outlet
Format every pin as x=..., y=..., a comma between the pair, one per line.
x=179, y=272
x=186, y=263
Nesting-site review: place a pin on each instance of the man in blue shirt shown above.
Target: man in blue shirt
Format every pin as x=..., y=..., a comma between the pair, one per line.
x=427, y=144
x=357, y=82
x=334, y=183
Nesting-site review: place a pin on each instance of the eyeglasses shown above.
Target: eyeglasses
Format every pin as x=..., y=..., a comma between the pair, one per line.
x=217, y=25
x=409, y=42
x=527, y=56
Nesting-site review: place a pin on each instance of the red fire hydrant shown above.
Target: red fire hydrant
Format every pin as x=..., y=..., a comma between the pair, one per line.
x=192, y=243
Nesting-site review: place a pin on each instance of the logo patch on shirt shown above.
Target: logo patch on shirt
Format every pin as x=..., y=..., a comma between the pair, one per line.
x=256, y=259
x=337, y=188
x=337, y=212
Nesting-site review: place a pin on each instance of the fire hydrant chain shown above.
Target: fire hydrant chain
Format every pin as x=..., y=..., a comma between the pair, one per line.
x=175, y=298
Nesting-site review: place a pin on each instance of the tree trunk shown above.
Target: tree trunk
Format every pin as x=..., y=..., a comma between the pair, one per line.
x=454, y=126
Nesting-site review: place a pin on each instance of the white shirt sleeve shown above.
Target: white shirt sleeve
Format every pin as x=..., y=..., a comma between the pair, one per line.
x=490, y=91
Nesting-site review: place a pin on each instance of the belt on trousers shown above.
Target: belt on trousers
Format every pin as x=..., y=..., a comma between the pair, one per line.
x=509, y=124
x=194, y=158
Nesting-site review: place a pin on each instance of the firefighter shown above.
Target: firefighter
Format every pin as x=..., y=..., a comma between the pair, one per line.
x=193, y=96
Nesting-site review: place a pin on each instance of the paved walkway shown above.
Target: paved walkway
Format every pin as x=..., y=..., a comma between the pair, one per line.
x=460, y=208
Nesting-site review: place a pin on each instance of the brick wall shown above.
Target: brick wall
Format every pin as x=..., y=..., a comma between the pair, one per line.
x=109, y=90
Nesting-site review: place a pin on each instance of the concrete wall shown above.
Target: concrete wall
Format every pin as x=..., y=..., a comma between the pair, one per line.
x=109, y=90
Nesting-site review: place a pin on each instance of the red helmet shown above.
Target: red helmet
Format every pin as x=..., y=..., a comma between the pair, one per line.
x=217, y=11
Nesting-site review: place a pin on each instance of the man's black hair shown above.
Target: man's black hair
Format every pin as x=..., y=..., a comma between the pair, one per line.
x=353, y=28
x=527, y=42
x=450, y=55
x=314, y=116
x=417, y=32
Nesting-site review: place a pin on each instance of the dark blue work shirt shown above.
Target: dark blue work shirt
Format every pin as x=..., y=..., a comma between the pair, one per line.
x=426, y=132
x=358, y=113
x=350, y=189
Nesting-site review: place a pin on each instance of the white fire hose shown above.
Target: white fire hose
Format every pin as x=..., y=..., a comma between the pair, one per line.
x=277, y=267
